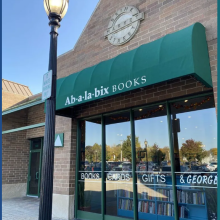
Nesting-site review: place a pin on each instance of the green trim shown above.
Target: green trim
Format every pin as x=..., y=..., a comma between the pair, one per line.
x=103, y=203
x=32, y=195
x=29, y=168
x=133, y=150
x=35, y=151
x=176, y=213
x=24, y=128
x=41, y=154
x=91, y=117
x=61, y=136
x=88, y=215
x=22, y=107
x=150, y=105
x=116, y=112
x=78, y=136
x=190, y=97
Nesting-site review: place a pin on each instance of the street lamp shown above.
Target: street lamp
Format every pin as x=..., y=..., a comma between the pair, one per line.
x=145, y=143
x=121, y=150
x=96, y=155
x=55, y=9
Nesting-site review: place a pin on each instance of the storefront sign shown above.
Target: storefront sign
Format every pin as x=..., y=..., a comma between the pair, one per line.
x=153, y=178
x=118, y=176
x=106, y=91
x=47, y=85
x=203, y=179
x=155, y=62
x=59, y=140
x=191, y=179
x=123, y=25
x=89, y=176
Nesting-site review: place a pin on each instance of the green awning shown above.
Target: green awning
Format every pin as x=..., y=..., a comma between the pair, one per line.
x=175, y=55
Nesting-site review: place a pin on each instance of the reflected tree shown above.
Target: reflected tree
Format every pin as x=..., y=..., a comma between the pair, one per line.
x=89, y=152
x=156, y=154
x=166, y=151
x=93, y=152
x=213, y=152
x=126, y=147
x=193, y=151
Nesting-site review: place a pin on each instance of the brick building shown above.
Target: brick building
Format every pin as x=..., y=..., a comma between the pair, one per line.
x=138, y=115
x=13, y=93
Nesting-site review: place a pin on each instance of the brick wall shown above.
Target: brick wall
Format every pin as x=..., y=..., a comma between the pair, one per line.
x=161, y=17
x=14, y=120
x=15, y=146
x=64, y=168
x=184, y=86
x=15, y=157
x=9, y=99
x=64, y=160
x=36, y=114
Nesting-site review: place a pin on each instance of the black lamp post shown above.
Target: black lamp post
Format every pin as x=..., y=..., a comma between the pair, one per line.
x=145, y=143
x=55, y=9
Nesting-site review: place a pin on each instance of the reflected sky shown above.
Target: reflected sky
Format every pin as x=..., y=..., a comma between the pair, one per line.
x=200, y=125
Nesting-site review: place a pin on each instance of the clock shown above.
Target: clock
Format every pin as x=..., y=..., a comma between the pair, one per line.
x=123, y=25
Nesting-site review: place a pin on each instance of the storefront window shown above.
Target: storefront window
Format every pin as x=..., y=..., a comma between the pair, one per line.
x=153, y=165
x=90, y=166
x=193, y=138
x=119, y=181
x=195, y=148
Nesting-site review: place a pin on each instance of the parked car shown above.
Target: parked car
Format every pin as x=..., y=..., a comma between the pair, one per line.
x=214, y=164
x=211, y=167
x=164, y=163
x=197, y=169
x=207, y=168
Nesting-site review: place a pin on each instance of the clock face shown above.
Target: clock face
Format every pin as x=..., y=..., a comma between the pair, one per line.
x=123, y=25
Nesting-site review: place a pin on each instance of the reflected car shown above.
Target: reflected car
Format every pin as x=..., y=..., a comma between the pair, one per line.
x=207, y=168
x=166, y=169
x=156, y=167
x=214, y=164
x=184, y=169
x=164, y=163
x=196, y=169
x=211, y=167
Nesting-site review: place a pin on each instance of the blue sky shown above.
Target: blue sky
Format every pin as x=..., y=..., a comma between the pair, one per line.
x=25, y=38
x=198, y=125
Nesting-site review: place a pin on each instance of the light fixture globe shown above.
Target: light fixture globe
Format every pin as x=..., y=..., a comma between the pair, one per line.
x=58, y=7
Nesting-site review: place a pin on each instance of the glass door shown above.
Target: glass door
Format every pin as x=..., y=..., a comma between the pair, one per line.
x=118, y=173
x=157, y=162
x=153, y=164
x=89, y=174
x=195, y=148
x=34, y=174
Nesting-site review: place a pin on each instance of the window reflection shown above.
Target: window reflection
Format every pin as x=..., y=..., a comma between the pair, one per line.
x=194, y=136
x=153, y=165
x=119, y=181
x=195, y=147
x=90, y=166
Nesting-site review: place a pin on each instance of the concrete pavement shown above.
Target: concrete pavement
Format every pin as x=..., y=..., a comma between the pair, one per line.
x=25, y=208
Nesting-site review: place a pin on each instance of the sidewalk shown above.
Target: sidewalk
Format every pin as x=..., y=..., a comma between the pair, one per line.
x=25, y=208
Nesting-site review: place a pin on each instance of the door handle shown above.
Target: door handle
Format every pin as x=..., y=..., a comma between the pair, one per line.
x=37, y=175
